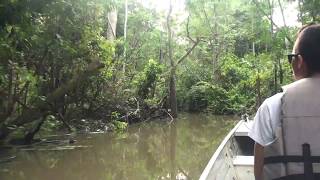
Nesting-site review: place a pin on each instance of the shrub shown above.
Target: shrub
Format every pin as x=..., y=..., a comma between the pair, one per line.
x=204, y=96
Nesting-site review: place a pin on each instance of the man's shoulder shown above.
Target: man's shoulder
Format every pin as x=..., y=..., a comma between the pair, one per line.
x=271, y=106
x=273, y=100
x=266, y=119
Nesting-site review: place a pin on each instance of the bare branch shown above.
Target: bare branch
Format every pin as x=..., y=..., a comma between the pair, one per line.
x=283, y=19
x=188, y=34
x=189, y=51
x=172, y=119
x=170, y=34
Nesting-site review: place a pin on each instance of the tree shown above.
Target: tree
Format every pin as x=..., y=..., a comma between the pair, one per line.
x=309, y=11
x=173, y=65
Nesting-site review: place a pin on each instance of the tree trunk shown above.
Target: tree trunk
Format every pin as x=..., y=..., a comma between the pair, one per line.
x=300, y=12
x=275, y=64
x=172, y=79
x=160, y=50
x=258, y=89
x=10, y=90
x=29, y=136
x=275, y=77
x=112, y=19
x=214, y=48
x=282, y=14
x=172, y=94
x=280, y=71
x=125, y=37
x=172, y=83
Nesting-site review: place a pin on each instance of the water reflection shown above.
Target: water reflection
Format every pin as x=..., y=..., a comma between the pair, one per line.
x=154, y=150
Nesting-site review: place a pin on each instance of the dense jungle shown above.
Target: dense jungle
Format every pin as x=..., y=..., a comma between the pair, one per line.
x=103, y=65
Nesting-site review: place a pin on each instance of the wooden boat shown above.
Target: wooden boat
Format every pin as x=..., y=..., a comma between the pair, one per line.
x=233, y=160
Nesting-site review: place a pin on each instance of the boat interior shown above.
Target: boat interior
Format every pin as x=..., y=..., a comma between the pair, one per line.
x=234, y=157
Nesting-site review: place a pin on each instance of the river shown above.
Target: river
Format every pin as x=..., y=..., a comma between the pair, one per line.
x=151, y=150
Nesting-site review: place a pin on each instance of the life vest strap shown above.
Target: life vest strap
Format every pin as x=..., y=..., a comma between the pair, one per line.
x=306, y=159
x=298, y=177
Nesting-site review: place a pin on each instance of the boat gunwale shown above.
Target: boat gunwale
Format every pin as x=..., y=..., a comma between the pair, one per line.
x=214, y=157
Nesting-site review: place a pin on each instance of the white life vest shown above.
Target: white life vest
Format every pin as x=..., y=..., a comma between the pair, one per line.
x=300, y=120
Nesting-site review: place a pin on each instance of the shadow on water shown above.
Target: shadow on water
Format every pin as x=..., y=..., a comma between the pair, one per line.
x=153, y=150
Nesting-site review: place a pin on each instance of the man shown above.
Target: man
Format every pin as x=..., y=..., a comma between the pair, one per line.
x=289, y=119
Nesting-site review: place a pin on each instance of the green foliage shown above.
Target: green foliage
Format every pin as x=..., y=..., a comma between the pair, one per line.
x=51, y=125
x=115, y=116
x=309, y=11
x=116, y=124
x=146, y=80
x=204, y=95
x=119, y=125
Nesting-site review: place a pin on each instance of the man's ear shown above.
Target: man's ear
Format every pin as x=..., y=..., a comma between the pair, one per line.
x=300, y=63
x=299, y=68
x=302, y=68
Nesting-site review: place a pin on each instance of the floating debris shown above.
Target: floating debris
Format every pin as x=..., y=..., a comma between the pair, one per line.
x=55, y=148
x=7, y=159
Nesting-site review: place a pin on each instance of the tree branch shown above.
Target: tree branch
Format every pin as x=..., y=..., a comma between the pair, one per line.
x=189, y=51
x=195, y=43
x=188, y=34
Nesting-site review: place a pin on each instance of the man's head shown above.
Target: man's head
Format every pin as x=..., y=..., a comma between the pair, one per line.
x=307, y=46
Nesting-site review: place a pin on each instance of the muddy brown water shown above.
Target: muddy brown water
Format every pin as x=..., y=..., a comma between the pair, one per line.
x=152, y=150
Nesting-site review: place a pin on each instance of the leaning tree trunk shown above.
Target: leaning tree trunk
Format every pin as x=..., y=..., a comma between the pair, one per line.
x=42, y=108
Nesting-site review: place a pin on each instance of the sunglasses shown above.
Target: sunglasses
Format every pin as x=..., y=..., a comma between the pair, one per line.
x=291, y=56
